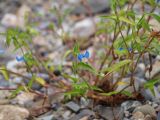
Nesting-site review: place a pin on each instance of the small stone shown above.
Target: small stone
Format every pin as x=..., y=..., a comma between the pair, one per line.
x=83, y=113
x=84, y=28
x=138, y=116
x=49, y=117
x=84, y=118
x=126, y=113
x=106, y=112
x=146, y=110
x=96, y=6
x=10, y=112
x=158, y=117
x=66, y=115
x=148, y=117
x=154, y=105
x=24, y=99
x=130, y=105
x=9, y=20
x=73, y=106
x=84, y=102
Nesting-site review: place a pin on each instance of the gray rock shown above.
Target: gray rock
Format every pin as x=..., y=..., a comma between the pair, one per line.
x=10, y=112
x=158, y=117
x=96, y=6
x=83, y=113
x=138, y=84
x=66, y=115
x=83, y=29
x=84, y=102
x=146, y=110
x=49, y=117
x=73, y=106
x=138, y=116
x=130, y=105
x=147, y=94
x=107, y=113
x=155, y=71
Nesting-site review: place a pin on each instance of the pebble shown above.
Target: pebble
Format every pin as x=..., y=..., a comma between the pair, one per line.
x=106, y=112
x=9, y=20
x=146, y=110
x=130, y=105
x=83, y=113
x=73, y=106
x=10, y=112
x=84, y=102
x=24, y=99
x=84, y=28
x=96, y=6
x=66, y=114
x=48, y=117
x=138, y=116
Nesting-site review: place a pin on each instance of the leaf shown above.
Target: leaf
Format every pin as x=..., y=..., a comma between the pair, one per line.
x=4, y=72
x=31, y=81
x=70, y=77
x=109, y=93
x=85, y=66
x=117, y=66
x=18, y=90
x=155, y=16
x=76, y=49
x=40, y=81
x=121, y=18
x=96, y=88
x=122, y=83
x=127, y=93
x=151, y=83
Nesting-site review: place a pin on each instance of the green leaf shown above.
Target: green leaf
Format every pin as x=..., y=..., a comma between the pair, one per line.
x=151, y=83
x=70, y=77
x=127, y=93
x=117, y=66
x=109, y=93
x=18, y=90
x=124, y=19
x=31, y=81
x=76, y=49
x=121, y=18
x=155, y=16
x=40, y=81
x=96, y=88
x=4, y=72
x=85, y=66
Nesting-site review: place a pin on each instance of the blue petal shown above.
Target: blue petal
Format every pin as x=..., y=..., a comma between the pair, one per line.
x=86, y=55
x=120, y=49
x=80, y=57
x=20, y=59
x=130, y=49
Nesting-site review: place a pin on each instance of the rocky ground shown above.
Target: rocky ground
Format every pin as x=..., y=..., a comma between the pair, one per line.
x=80, y=25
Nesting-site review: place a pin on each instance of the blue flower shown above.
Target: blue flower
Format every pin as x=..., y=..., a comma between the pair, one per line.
x=20, y=58
x=120, y=49
x=130, y=49
x=81, y=55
